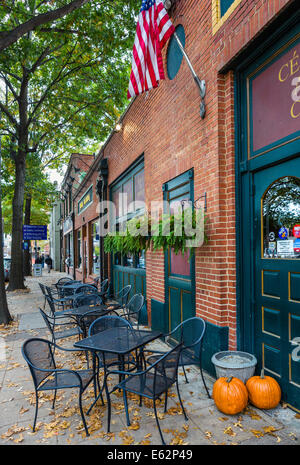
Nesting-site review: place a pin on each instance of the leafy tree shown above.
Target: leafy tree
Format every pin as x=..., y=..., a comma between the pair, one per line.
x=12, y=33
x=66, y=87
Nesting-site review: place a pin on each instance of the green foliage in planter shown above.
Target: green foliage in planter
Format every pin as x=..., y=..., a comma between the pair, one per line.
x=181, y=231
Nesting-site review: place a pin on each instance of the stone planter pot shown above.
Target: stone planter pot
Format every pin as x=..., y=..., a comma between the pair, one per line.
x=234, y=363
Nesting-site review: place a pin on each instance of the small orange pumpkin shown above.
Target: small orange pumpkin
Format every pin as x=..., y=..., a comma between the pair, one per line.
x=264, y=391
x=230, y=395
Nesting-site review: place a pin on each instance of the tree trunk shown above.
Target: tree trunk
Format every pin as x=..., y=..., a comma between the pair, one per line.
x=16, y=280
x=5, y=317
x=27, y=262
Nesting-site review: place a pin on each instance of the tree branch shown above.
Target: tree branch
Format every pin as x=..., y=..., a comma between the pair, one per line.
x=10, y=37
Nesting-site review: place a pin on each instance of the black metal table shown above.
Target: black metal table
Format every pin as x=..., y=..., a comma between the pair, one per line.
x=80, y=311
x=120, y=340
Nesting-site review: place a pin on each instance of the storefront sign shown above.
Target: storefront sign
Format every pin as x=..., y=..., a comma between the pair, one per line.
x=34, y=232
x=85, y=200
x=296, y=230
x=275, y=101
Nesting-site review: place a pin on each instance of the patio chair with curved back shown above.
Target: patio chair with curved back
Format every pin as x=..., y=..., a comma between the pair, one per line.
x=152, y=383
x=107, y=322
x=56, y=313
x=100, y=324
x=133, y=309
x=190, y=332
x=51, y=323
x=60, y=284
x=85, y=289
x=39, y=355
x=122, y=298
x=60, y=301
x=42, y=287
x=87, y=299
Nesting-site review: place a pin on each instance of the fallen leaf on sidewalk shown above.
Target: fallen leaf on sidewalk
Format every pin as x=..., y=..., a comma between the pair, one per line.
x=229, y=431
x=23, y=410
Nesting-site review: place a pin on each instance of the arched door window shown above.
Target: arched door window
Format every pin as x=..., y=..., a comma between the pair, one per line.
x=281, y=219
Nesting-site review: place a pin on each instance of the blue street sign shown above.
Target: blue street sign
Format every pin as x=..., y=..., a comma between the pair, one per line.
x=34, y=232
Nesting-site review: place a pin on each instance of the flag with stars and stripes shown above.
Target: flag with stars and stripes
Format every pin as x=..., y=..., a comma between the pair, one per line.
x=153, y=29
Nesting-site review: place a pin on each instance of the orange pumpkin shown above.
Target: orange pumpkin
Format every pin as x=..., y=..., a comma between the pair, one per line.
x=230, y=395
x=264, y=391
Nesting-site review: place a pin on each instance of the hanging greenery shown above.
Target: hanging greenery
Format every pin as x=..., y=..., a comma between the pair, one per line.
x=180, y=231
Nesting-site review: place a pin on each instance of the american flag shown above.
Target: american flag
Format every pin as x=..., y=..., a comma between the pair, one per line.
x=153, y=30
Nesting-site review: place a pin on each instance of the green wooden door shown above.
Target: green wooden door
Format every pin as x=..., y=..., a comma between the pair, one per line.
x=277, y=275
x=179, y=269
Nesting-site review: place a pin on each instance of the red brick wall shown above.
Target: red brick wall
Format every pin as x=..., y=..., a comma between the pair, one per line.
x=165, y=125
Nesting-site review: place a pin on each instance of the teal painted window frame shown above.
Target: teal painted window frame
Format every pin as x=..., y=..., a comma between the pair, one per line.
x=224, y=6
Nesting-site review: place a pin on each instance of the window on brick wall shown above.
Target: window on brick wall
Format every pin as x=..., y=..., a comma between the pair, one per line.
x=221, y=10
x=128, y=196
x=225, y=5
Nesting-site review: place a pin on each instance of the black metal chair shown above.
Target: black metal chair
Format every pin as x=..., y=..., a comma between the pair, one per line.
x=60, y=284
x=51, y=324
x=42, y=287
x=122, y=298
x=107, y=322
x=87, y=299
x=152, y=383
x=39, y=355
x=101, y=324
x=85, y=289
x=190, y=332
x=59, y=301
x=133, y=309
x=56, y=313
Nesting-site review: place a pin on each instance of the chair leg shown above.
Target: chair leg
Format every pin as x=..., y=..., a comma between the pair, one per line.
x=179, y=397
x=108, y=406
x=157, y=422
x=186, y=380
x=126, y=407
x=36, y=410
x=54, y=399
x=166, y=402
x=82, y=415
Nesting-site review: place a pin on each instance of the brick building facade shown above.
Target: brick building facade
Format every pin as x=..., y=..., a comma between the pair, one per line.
x=164, y=135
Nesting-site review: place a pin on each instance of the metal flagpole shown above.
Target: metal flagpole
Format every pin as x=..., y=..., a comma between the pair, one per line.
x=200, y=82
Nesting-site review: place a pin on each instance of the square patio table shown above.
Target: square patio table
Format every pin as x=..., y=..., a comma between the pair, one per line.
x=79, y=311
x=120, y=341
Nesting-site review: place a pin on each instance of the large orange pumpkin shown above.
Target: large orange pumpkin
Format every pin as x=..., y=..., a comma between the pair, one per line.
x=264, y=391
x=230, y=395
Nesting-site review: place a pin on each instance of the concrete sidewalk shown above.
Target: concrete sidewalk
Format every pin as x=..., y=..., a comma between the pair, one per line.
x=205, y=426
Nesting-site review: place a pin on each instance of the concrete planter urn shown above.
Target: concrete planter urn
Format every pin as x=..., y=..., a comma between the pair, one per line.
x=234, y=363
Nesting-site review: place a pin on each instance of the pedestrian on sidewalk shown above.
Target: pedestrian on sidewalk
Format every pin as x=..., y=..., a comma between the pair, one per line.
x=68, y=263
x=48, y=262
